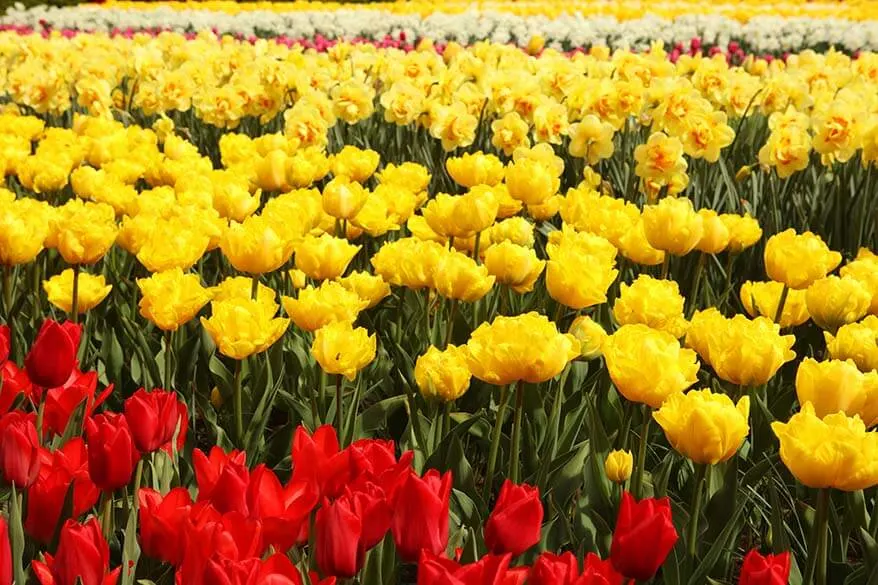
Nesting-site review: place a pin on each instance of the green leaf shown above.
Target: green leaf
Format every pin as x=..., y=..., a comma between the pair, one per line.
x=130, y=550
x=722, y=544
x=16, y=537
x=567, y=475
x=375, y=417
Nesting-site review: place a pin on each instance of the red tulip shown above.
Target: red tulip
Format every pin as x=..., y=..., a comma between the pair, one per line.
x=552, y=569
x=5, y=553
x=19, y=449
x=231, y=537
x=112, y=455
x=45, y=498
x=598, y=572
x=284, y=511
x=62, y=401
x=514, y=524
x=643, y=537
x=374, y=461
x=52, y=357
x=162, y=520
x=153, y=418
x=489, y=570
x=420, y=519
x=15, y=382
x=339, y=531
x=5, y=344
x=317, y=459
x=82, y=554
x=765, y=570
x=222, y=479
x=373, y=508
x=275, y=570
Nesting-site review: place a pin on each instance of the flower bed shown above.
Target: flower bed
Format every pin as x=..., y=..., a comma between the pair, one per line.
x=476, y=316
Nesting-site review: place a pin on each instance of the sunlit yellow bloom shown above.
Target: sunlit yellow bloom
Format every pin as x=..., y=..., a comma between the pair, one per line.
x=241, y=287
x=83, y=232
x=652, y=302
x=410, y=175
x=787, y=149
x=864, y=269
x=91, y=290
x=838, y=386
x=525, y=347
x=835, y=301
x=531, y=181
x=590, y=334
x=369, y=287
x=647, y=366
x=470, y=170
x=255, y=246
x=591, y=139
x=324, y=257
x=514, y=265
x=171, y=298
x=578, y=279
x=355, y=164
x=857, y=342
x=762, y=298
x=330, y=302
x=454, y=125
x=408, y=262
x=618, y=466
x=701, y=327
x=797, y=260
x=340, y=348
x=459, y=277
x=171, y=244
x=705, y=134
x=510, y=132
x=231, y=196
x=443, y=374
x=660, y=163
x=353, y=100
x=835, y=452
x=748, y=352
x=707, y=428
x=634, y=246
x=24, y=227
x=715, y=234
x=673, y=225
x=343, y=198
x=546, y=210
x=744, y=231
x=243, y=327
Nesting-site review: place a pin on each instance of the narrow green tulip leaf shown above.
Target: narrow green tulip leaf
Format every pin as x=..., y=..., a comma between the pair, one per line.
x=130, y=550
x=16, y=537
x=375, y=417
x=870, y=548
x=723, y=543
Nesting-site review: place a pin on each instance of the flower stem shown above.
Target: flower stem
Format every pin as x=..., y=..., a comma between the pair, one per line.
x=666, y=266
x=476, y=247
x=449, y=328
x=696, y=285
x=495, y=440
x=780, y=304
x=74, y=305
x=695, y=509
x=7, y=293
x=637, y=480
x=514, y=458
x=107, y=514
x=239, y=405
x=254, y=288
x=169, y=361
x=339, y=410
x=138, y=476
x=815, y=569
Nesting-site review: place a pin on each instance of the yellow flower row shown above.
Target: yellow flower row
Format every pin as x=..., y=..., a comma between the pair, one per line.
x=627, y=10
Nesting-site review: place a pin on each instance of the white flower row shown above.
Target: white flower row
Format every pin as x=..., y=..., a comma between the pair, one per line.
x=760, y=34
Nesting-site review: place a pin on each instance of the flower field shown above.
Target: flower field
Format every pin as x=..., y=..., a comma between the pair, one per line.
x=440, y=295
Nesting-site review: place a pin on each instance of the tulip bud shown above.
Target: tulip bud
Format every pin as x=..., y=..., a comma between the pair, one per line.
x=19, y=449
x=618, y=466
x=765, y=570
x=153, y=417
x=52, y=357
x=82, y=555
x=515, y=523
x=112, y=455
x=743, y=173
x=420, y=520
x=640, y=522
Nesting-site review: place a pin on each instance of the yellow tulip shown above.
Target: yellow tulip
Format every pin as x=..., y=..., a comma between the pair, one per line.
x=412, y=176
x=515, y=266
x=170, y=244
x=590, y=334
x=369, y=287
x=171, y=298
x=838, y=386
x=707, y=428
x=531, y=181
x=864, y=268
x=324, y=257
x=652, y=302
x=83, y=232
x=748, y=352
x=344, y=198
x=255, y=246
x=744, y=231
x=243, y=327
x=408, y=262
x=475, y=211
x=355, y=164
x=340, y=348
x=797, y=260
x=577, y=279
x=618, y=466
x=857, y=342
x=715, y=236
x=673, y=225
x=330, y=302
x=459, y=277
x=647, y=366
x=833, y=301
x=835, y=452
x=91, y=290
x=762, y=298
x=443, y=374
x=517, y=230
x=470, y=170
x=241, y=287
x=24, y=227
x=525, y=347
